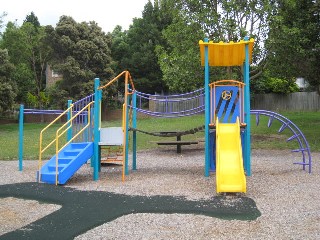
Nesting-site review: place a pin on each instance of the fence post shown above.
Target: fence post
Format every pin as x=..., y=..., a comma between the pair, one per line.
x=21, y=137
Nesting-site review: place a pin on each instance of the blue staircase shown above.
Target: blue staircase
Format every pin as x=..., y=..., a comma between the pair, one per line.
x=70, y=159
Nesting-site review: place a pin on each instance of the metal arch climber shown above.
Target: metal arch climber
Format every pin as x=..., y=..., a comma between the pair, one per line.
x=297, y=134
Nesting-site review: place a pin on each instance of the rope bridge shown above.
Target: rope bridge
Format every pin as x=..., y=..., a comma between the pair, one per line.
x=171, y=106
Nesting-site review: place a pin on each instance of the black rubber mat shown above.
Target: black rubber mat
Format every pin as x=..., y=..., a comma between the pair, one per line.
x=84, y=210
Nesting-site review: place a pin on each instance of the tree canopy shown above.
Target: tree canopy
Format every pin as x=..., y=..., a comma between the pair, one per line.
x=134, y=50
x=293, y=41
x=7, y=86
x=29, y=54
x=160, y=49
x=81, y=52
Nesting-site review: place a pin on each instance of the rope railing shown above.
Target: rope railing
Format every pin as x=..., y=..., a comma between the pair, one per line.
x=170, y=106
x=186, y=113
x=146, y=95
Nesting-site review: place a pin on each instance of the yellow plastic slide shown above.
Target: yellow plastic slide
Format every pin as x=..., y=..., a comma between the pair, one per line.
x=230, y=175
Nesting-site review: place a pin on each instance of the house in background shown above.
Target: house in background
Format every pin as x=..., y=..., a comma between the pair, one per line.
x=52, y=76
x=302, y=84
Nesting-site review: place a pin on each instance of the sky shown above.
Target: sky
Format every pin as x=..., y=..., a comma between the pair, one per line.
x=107, y=13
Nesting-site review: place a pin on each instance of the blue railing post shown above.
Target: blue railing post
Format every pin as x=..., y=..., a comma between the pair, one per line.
x=21, y=110
x=96, y=132
x=134, y=133
x=127, y=134
x=207, y=109
x=69, y=133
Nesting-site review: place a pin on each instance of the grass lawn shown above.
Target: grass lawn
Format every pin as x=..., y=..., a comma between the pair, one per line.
x=9, y=135
x=262, y=136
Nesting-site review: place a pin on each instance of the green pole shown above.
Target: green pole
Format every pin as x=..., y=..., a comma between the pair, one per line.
x=21, y=110
x=207, y=109
x=96, y=131
x=134, y=133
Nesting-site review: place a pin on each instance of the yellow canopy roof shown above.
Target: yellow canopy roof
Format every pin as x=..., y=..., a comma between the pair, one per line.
x=226, y=54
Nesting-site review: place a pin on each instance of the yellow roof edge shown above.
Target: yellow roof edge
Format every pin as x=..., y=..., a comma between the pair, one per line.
x=201, y=42
x=226, y=54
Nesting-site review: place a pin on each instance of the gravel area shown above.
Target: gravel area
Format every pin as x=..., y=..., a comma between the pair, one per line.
x=16, y=213
x=287, y=196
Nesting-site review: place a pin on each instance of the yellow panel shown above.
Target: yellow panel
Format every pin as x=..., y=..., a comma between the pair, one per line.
x=226, y=54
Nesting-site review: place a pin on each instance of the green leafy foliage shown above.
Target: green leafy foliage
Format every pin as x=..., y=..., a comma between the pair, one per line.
x=29, y=53
x=293, y=40
x=134, y=50
x=269, y=84
x=161, y=50
x=40, y=101
x=58, y=97
x=219, y=21
x=278, y=85
x=81, y=52
x=7, y=86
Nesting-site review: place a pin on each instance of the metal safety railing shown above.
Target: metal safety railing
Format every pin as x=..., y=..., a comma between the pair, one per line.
x=61, y=131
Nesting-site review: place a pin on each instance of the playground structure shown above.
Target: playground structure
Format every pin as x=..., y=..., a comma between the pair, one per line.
x=227, y=125
x=229, y=104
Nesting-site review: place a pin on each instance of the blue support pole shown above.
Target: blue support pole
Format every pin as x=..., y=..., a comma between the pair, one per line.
x=69, y=133
x=247, y=160
x=85, y=134
x=96, y=131
x=207, y=109
x=127, y=136
x=134, y=133
x=21, y=137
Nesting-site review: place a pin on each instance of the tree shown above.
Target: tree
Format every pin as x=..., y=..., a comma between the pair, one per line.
x=7, y=87
x=1, y=19
x=179, y=61
x=134, y=50
x=294, y=38
x=81, y=52
x=29, y=52
x=218, y=20
x=33, y=19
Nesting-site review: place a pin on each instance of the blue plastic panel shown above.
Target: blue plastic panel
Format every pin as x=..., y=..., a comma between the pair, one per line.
x=228, y=109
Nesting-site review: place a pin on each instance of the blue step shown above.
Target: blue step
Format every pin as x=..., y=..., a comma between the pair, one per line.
x=70, y=159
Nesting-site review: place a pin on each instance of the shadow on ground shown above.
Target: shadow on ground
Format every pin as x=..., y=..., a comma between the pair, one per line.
x=84, y=210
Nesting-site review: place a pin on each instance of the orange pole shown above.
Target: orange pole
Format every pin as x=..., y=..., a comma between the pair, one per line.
x=112, y=81
x=125, y=124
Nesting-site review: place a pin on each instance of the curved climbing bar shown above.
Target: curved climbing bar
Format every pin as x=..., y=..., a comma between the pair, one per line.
x=297, y=135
